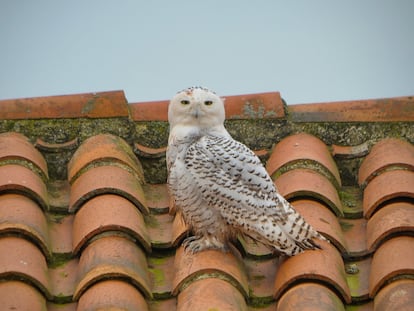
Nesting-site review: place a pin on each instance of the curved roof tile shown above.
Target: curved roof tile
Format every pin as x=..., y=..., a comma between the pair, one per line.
x=211, y=294
x=19, y=257
x=302, y=147
x=112, y=257
x=17, y=146
x=310, y=296
x=392, y=259
x=208, y=264
x=20, y=179
x=387, y=152
x=305, y=183
x=394, y=218
x=19, y=214
x=179, y=229
x=17, y=295
x=103, y=148
x=398, y=184
x=112, y=295
x=107, y=180
x=108, y=212
x=398, y=295
x=323, y=265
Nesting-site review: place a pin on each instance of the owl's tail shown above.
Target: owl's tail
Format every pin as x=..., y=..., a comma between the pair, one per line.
x=286, y=231
x=300, y=234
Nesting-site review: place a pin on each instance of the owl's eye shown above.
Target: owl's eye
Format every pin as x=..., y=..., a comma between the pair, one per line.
x=185, y=102
x=208, y=102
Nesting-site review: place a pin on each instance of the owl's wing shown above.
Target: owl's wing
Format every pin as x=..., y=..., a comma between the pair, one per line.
x=231, y=177
x=228, y=172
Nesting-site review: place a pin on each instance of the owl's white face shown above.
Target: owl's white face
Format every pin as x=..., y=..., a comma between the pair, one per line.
x=198, y=107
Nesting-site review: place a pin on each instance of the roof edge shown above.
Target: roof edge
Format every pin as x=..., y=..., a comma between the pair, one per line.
x=249, y=106
x=268, y=105
x=85, y=105
x=394, y=109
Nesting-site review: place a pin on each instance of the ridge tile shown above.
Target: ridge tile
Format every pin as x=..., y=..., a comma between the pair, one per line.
x=367, y=110
x=86, y=105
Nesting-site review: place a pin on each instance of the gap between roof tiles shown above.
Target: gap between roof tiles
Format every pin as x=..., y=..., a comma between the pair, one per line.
x=357, y=277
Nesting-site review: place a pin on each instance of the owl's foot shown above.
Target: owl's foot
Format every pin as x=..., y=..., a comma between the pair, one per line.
x=195, y=244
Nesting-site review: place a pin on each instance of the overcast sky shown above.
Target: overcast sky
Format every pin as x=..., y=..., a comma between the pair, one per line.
x=310, y=51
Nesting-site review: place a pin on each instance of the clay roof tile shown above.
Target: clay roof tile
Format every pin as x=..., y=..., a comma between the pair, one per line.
x=387, y=153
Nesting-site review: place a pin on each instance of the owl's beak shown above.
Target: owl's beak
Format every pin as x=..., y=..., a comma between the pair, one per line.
x=196, y=112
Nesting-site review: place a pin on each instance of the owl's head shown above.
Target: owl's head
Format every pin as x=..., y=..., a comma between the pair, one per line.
x=196, y=106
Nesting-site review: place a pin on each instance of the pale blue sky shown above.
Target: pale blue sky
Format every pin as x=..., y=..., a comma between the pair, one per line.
x=310, y=51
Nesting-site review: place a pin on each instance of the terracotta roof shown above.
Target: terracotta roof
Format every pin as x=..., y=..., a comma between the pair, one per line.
x=86, y=223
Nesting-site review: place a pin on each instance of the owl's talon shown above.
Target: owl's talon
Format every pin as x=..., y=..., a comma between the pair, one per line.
x=195, y=244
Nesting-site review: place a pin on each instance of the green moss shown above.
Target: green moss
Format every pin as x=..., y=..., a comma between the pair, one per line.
x=347, y=198
x=256, y=133
x=352, y=278
x=155, y=170
x=248, y=131
x=158, y=276
x=152, y=134
x=351, y=199
x=355, y=307
x=59, y=260
x=345, y=226
x=348, y=170
x=355, y=133
x=157, y=261
x=151, y=221
x=260, y=302
x=58, y=306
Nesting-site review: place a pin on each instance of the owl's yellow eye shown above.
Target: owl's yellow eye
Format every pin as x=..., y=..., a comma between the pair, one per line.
x=185, y=102
x=208, y=102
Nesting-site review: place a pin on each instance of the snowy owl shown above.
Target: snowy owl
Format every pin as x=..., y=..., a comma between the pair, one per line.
x=220, y=185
